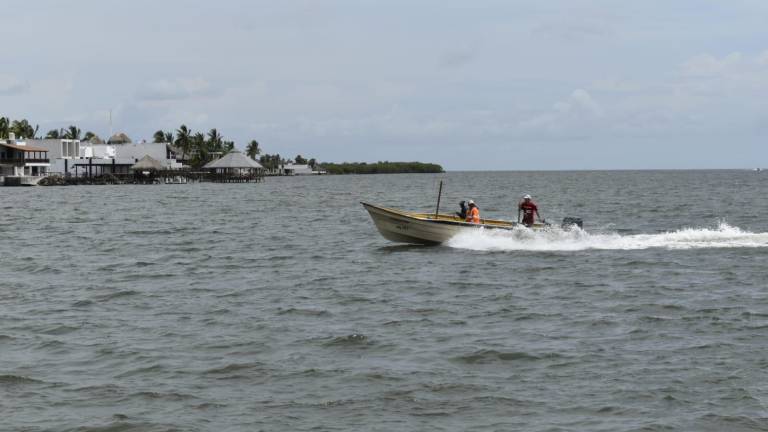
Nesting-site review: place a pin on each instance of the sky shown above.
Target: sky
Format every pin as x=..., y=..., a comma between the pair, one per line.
x=480, y=85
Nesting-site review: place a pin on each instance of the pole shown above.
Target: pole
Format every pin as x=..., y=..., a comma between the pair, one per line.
x=439, y=193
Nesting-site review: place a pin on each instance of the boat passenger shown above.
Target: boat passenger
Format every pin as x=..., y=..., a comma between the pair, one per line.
x=473, y=214
x=528, y=208
x=462, y=213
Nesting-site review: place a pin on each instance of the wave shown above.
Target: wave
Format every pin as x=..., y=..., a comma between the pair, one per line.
x=492, y=356
x=354, y=339
x=17, y=380
x=523, y=239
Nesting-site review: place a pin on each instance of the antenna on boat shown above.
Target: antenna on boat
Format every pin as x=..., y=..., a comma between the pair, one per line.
x=439, y=194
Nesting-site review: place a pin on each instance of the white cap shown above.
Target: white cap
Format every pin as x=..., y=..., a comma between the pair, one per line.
x=527, y=196
x=470, y=202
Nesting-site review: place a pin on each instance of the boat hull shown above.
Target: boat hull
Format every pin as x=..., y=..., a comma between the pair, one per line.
x=420, y=228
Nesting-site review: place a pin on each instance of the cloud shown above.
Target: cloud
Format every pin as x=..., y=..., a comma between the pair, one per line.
x=173, y=90
x=10, y=85
x=704, y=65
x=577, y=116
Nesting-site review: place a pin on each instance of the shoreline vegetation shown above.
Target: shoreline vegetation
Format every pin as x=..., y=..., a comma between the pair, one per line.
x=385, y=167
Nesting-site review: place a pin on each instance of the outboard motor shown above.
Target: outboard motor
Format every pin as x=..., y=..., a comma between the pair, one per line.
x=568, y=222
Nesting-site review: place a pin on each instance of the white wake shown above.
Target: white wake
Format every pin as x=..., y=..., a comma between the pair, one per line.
x=724, y=236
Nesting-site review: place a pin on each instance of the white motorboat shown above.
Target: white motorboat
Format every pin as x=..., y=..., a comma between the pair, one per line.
x=431, y=228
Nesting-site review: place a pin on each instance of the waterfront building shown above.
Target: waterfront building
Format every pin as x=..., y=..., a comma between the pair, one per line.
x=63, y=153
x=92, y=159
x=22, y=164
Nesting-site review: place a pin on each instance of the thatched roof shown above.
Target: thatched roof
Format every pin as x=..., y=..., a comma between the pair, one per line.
x=233, y=159
x=119, y=138
x=147, y=163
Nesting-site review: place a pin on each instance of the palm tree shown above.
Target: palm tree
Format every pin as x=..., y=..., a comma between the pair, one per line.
x=169, y=137
x=88, y=135
x=72, y=132
x=215, y=140
x=53, y=134
x=158, y=137
x=22, y=129
x=253, y=149
x=5, y=124
x=183, y=140
x=201, y=147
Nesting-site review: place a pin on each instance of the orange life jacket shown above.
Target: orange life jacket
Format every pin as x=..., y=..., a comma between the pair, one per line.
x=474, y=215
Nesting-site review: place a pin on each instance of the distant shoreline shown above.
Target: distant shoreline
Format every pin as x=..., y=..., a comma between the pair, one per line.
x=382, y=168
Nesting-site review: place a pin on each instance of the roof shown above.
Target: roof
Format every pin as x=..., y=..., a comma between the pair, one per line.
x=147, y=163
x=119, y=138
x=233, y=159
x=25, y=148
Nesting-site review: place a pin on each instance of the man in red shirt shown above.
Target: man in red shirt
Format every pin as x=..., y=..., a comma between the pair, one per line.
x=528, y=208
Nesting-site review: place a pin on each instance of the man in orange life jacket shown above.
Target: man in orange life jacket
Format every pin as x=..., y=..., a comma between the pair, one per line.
x=528, y=208
x=473, y=214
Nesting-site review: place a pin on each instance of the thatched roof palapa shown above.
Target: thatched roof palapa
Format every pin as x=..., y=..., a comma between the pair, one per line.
x=233, y=159
x=119, y=138
x=147, y=163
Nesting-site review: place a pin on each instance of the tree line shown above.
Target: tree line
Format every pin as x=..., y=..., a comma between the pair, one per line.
x=24, y=129
x=198, y=148
x=381, y=167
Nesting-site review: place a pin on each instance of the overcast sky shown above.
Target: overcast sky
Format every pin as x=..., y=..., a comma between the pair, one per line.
x=468, y=84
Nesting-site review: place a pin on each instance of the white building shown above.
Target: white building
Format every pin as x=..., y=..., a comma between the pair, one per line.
x=76, y=158
x=61, y=152
x=300, y=169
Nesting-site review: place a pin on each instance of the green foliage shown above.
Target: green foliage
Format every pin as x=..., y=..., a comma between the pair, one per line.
x=183, y=141
x=271, y=162
x=381, y=168
x=20, y=128
x=300, y=160
x=23, y=129
x=88, y=135
x=5, y=125
x=72, y=132
x=253, y=149
x=158, y=137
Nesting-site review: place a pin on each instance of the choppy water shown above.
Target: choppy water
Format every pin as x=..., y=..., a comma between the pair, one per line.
x=277, y=306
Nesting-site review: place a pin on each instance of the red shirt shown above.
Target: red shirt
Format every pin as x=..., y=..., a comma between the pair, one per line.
x=528, y=208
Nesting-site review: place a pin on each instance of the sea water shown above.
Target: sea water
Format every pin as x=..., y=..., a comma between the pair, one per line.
x=278, y=306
